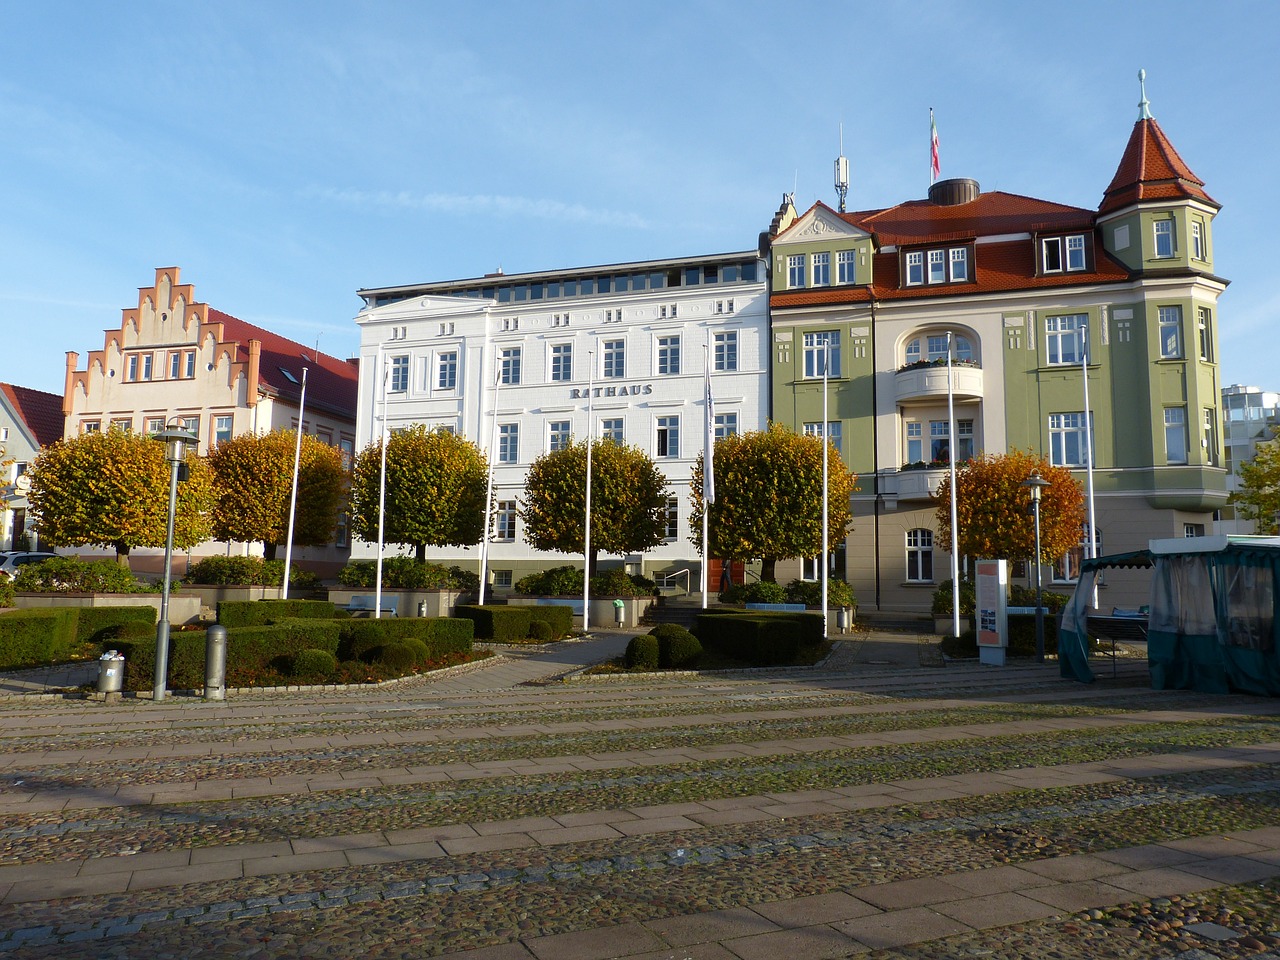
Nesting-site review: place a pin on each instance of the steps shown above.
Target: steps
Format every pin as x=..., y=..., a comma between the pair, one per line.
x=683, y=611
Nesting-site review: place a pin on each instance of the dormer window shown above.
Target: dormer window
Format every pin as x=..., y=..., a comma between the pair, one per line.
x=944, y=265
x=1063, y=254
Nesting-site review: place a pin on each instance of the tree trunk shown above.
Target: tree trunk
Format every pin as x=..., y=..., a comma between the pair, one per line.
x=768, y=567
x=268, y=551
x=420, y=552
x=594, y=567
x=122, y=554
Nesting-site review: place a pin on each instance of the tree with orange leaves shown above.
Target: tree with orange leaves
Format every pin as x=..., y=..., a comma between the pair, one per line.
x=993, y=509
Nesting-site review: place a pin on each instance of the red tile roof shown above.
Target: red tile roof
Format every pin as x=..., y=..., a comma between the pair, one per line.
x=331, y=383
x=991, y=214
x=40, y=411
x=1151, y=170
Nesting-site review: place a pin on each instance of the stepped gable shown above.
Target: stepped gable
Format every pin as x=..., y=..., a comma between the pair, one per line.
x=1152, y=170
x=40, y=411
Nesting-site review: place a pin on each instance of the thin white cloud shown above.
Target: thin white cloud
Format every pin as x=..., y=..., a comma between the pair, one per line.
x=493, y=204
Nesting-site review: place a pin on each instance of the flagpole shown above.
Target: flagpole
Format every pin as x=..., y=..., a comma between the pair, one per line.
x=586, y=531
x=382, y=492
x=708, y=468
x=1091, y=540
x=826, y=366
x=951, y=457
x=488, y=493
x=293, y=490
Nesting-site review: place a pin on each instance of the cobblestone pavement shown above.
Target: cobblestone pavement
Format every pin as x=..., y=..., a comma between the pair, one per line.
x=869, y=807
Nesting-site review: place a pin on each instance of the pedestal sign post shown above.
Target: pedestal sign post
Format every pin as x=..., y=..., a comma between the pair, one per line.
x=992, y=615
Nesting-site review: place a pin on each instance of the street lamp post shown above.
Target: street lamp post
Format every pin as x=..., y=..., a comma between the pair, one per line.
x=176, y=442
x=1035, y=484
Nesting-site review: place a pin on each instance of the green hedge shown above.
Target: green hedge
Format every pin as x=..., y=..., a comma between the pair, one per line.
x=32, y=638
x=96, y=624
x=6, y=593
x=760, y=637
x=510, y=624
x=364, y=639
x=249, y=613
x=642, y=652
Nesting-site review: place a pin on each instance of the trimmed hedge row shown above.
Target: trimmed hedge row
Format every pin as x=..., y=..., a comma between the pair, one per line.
x=364, y=639
x=30, y=638
x=249, y=613
x=511, y=624
x=96, y=624
x=760, y=637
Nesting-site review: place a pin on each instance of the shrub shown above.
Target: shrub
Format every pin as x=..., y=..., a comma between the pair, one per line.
x=421, y=652
x=942, y=599
x=566, y=581
x=397, y=656
x=809, y=592
x=363, y=639
x=6, y=593
x=760, y=591
x=246, y=613
x=72, y=575
x=677, y=647
x=95, y=624
x=540, y=630
x=249, y=571
x=510, y=624
x=311, y=662
x=642, y=653
x=30, y=638
x=760, y=637
x=406, y=573
x=1020, y=596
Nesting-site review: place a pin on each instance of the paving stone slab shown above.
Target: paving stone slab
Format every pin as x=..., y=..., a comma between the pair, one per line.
x=812, y=943
x=898, y=928
x=713, y=925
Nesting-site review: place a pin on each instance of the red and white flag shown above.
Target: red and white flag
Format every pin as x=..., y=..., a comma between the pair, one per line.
x=935, y=164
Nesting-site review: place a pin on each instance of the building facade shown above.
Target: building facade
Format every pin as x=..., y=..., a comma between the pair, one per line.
x=177, y=361
x=511, y=361
x=29, y=420
x=1249, y=417
x=1019, y=290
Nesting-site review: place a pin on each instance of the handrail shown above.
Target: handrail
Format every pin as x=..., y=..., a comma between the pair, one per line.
x=666, y=578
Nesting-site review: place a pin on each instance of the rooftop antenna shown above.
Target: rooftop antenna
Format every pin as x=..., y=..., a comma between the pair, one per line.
x=842, y=172
x=1144, y=106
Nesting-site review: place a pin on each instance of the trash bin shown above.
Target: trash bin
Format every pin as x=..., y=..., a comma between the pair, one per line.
x=215, y=663
x=111, y=672
x=620, y=613
x=842, y=619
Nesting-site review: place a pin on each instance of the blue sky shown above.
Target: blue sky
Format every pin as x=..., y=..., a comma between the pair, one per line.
x=286, y=154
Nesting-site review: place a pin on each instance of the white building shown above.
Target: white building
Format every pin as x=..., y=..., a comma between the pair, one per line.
x=1248, y=414
x=510, y=361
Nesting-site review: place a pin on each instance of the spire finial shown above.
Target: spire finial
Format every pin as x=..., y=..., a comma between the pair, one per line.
x=1144, y=106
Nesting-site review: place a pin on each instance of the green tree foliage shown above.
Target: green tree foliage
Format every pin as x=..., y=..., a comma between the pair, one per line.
x=253, y=479
x=628, y=500
x=112, y=490
x=1258, y=498
x=768, y=497
x=435, y=490
x=994, y=509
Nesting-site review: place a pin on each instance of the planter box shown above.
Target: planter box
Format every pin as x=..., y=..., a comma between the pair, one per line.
x=437, y=603
x=603, y=610
x=183, y=607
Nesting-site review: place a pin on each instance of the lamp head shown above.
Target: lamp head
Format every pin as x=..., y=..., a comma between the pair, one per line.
x=1034, y=484
x=176, y=441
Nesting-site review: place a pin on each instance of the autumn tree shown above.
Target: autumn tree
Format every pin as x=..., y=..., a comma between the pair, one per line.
x=994, y=509
x=628, y=500
x=768, y=497
x=112, y=490
x=1258, y=498
x=435, y=490
x=253, y=482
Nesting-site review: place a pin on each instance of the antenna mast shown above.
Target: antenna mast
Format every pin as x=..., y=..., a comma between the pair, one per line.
x=842, y=173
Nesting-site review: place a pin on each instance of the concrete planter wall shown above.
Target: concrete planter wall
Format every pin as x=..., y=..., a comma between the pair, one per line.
x=183, y=607
x=439, y=603
x=944, y=625
x=603, y=611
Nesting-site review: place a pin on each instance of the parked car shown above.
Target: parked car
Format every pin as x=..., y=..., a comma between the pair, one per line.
x=14, y=559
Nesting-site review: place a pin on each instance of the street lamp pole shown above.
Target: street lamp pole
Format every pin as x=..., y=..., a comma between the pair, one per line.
x=176, y=442
x=1035, y=484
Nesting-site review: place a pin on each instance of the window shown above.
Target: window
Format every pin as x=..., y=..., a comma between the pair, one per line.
x=1175, y=435
x=937, y=266
x=1209, y=439
x=1062, y=337
x=671, y=528
x=175, y=365
x=611, y=430
x=1164, y=238
x=915, y=269
x=399, y=374
x=221, y=429
x=505, y=520
x=726, y=425
x=347, y=450
x=155, y=424
x=939, y=441
x=615, y=358
x=557, y=435
x=1066, y=569
x=91, y=426
x=832, y=432
x=947, y=265
x=668, y=355
x=725, y=346
x=510, y=365
x=562, y=361
x=936, y=345
x=508, y=443
x=1075, y=253
x=182, y=364
x=1193, y=529
x=1197, y=240
x=920, y=555
x=192, y=425
x=795, y=270
x=1062, y=253
x=1170, y=332
x=1204, y=331
x=132, y=368
x=846, y=266
x=964, y=441
x=447, y=371
x=818, y=347
x=821, y=269
x=959, y=264
x=1067, y=440
x=122, y=423
x=502, y=579
x=915, y=442
x=668, y=436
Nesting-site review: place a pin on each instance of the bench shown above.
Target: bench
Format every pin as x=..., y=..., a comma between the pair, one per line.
x=777, y=607
x=364, y=605
x=1118, y=628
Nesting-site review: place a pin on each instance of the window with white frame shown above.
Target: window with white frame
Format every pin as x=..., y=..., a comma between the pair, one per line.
x=1209, y=436
x=725, y=350
x=832, y=432
x=939, y=441
x=915, y=441
x=505, y=521
x=935, y=349
x=1066, y=569
x=1067, y=440
x=502, y=579
x=846, y=266
x=1175, y=435
x=795, y=270
x=175, y=365
x=1164, y=238
x=562, y=361
x=155, y=424
x=920, y=555
x=91, y=426
x=221, y=429
x=1170, y=319
x=1193, y=529
x=726, y=425
x=447, y=370
x=821, y=269
x=959, y=264
x=611, y=429
x=1058, y=254
x=508, y=443
x=510, y=357
x=1204, y=331
x=192, y=425
x=915, y=268
x=964, y=441
x=668, y=437
x=937, y=266
x=671, y=525
x=557, y=435
x=1197, y=240
x=122, y=423
x=818, y=349
x=1062, y=338
x=131, y=367
x=668, y=355
x=1075, y=252
x=347, y=451
x=946, y=265
x=399, y=373
x=615, y=358
x=189, y=364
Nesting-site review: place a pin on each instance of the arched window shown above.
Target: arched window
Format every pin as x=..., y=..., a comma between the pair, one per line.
x=933, y=348
x=920, y=555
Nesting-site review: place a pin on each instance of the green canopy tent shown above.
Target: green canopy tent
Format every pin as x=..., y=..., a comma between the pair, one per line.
x=1212, y=624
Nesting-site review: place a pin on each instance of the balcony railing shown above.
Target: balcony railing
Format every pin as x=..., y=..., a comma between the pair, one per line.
x=927, y=380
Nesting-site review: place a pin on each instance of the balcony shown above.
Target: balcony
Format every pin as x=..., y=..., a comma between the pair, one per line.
x=928, y=381
x=914, y=484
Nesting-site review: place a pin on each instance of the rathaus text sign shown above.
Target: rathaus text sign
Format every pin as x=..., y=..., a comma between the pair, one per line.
x=626, y=390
